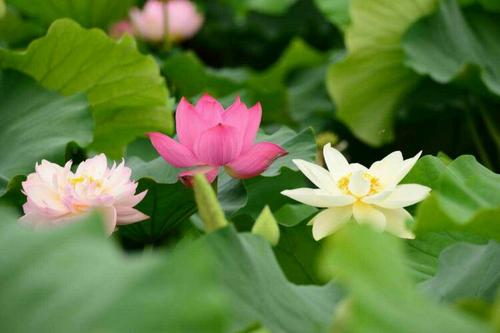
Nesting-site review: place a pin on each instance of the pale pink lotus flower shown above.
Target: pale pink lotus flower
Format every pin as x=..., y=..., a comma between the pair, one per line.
x=56, y=195
x=121, y=28
x=211, y=137
x=183, y=20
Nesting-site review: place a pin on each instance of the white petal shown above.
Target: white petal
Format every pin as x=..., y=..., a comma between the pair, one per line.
x=330, y=220
x=318, y=198
x=407, y=166
x=335, y=161
x=403, y=196
x=357, y=167
x=377, y=197
x=387, y=169
x=358, y=184
x=364, y=213
x=396, y=222
x=317, y=175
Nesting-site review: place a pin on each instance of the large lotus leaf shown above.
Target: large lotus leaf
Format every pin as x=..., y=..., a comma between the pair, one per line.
x=383, y=297
x=466, y=271
x=260, y=293
x=37, y=124
x=370, y=83
x=124, y=88
x=443, y=44
x=74, y=279
x=465, y=198
x=89, y=13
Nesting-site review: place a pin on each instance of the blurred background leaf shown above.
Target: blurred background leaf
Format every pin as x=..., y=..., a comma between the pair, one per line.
x=73, y=278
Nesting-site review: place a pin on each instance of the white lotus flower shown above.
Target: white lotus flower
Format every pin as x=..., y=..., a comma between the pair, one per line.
x=371, y=195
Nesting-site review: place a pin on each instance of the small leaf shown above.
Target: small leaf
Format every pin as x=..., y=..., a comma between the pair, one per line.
x=267, y=227
x=208, y=207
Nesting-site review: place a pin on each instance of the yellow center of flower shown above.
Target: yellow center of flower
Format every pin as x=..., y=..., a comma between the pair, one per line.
x=375, y=186
x=88, y=179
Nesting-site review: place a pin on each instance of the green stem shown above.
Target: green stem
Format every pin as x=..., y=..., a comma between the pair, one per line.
x=477, y=140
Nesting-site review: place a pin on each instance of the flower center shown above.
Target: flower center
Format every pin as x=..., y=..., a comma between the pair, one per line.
x=85, y=179
x=375, y=186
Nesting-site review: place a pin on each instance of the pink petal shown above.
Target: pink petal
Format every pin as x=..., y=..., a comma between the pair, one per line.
x=253, y=123
x=218, y=145
x=237, y=116
x=210, y=110
x=189, y=123
x=255, y=161
x=186, y=177
x=128, y=215
x=173, y=152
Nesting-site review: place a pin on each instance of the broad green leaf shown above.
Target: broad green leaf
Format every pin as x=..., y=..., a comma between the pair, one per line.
x=209, y=208
x=336, y=11
x=74, y=278
x=267, y=227
x=383, y=298
x=168, y=202
x=127, y=95
x=466, y=271
x=37, y=124
x=444, y=44
x=465, y=198
x=167, y=205
x=297, y=252
x=423, y=252
x=89, y=13
x=3, y=9
x=259, y=292
x=427, y=171
x=370, y=83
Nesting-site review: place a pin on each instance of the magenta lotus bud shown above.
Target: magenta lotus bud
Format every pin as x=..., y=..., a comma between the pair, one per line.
x=211, y=137
x=183, y=20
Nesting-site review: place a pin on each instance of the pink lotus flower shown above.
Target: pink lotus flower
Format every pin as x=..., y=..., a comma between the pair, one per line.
x=210, y=138
x=183, y=20
x=121, y=28
x=56, y=195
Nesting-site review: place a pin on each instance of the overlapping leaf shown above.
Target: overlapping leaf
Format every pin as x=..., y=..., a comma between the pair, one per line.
x=37, y=124
x=124, y=88
x=464, y=198
x=259, y=292
x=443, y=44
x=466, y=271
x=75, y=279
x=383, y=297
x=370, y=83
